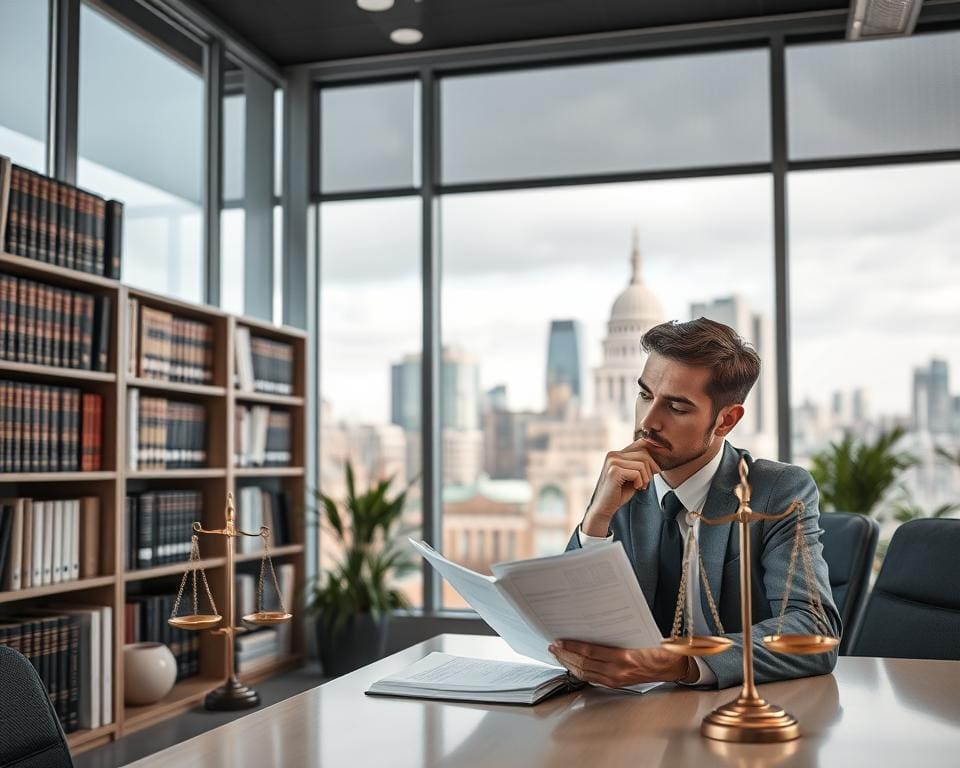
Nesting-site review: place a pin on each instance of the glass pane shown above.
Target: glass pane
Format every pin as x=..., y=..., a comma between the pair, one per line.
x=278, y=142
x=874, y=97
x=232, y=259
x=874, y=270
x=370, y=342
x=234, y=138
x=542, y=317
x=370, y=137
x=23, y=82
x=644, y=114
x=141, y=141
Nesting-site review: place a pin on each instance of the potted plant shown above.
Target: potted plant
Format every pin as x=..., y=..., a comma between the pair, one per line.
x=352, y=601
x=855, y=474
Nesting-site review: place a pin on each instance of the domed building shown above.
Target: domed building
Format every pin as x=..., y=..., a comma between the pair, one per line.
x=635, y=311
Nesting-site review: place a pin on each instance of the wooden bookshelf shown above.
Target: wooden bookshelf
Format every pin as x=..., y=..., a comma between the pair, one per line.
x=111, y=485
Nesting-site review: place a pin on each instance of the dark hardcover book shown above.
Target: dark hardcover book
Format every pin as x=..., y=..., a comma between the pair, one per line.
x=4, y=429
x=86, y=331
x=56, y=442
x=30, y=328
x=72, y=655
x=58, y=221
x=101, y=347
x=9, y=240
x=70, y=225
x=113, y=239
x=16, y=426
x=6, y=528
x=99, y=213
x=4, y=313
x=47, y=434
x=146, y=527
x=22, y=246
x=75, y=322
x=57, y=328
x=33, y=217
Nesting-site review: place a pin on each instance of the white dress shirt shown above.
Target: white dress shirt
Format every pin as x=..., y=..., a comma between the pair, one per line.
x=692, y=493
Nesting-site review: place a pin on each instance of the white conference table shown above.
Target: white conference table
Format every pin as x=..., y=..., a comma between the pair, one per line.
x=869, y=712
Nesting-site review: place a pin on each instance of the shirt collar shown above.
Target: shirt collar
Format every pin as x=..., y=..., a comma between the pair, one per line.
x=692, y=492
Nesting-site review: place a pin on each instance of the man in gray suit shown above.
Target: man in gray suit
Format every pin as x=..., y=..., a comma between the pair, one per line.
x=692, y=389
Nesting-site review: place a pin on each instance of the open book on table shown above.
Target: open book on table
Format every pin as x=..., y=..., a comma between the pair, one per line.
x=590, y=595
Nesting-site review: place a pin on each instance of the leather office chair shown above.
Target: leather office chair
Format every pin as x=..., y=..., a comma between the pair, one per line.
x=30, y=733
x=914, y=609
x=849, y=544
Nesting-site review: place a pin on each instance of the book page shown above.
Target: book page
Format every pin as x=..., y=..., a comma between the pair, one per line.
x=486, y=599
x=591, y=595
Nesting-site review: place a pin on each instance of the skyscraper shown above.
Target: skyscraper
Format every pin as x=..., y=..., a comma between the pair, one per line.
x=564, y=351
x=459, y=391
x=932, y=404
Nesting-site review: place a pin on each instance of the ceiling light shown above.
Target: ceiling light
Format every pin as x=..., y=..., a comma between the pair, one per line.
x=882, y=18
x=406, y=36
x=375, y=6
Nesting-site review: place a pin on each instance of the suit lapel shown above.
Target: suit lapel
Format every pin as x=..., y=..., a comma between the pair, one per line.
x=645, y=534
x=715, y=538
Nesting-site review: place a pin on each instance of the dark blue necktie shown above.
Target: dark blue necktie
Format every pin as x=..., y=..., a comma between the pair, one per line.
x=670, y=564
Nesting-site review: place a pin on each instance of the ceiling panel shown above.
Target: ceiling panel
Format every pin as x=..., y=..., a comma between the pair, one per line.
x=299, y=31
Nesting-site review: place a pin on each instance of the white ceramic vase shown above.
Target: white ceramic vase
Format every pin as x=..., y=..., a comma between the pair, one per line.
x=149, y=672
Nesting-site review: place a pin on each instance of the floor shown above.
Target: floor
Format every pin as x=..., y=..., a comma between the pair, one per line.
x=194, y=722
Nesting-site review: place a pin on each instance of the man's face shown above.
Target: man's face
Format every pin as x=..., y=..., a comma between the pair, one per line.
x=674, y=414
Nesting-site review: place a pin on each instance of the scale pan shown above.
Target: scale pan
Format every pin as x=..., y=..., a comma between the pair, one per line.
x=265, y=618
x=698, y=645
x=195, y=621
x=800, y=645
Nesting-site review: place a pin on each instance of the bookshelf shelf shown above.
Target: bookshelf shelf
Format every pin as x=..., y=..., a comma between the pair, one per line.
x=268, y=472
x=184, y=695
x=268, y=670
x=57, y=589
x=90, y=738
x=175, y=474
x=54, y=372
x=145, y=574
x=23, y=266
x=175, y=387
x=286, y=549
x=55, y=477
x=267, y=399
x=124, y=307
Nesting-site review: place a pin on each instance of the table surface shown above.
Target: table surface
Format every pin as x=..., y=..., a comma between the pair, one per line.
x=869, y=712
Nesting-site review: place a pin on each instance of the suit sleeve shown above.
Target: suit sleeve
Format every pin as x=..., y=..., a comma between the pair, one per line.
x=776, y=542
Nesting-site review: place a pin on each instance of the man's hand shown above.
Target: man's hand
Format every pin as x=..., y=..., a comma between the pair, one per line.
x=624, y=473
x=617, y=667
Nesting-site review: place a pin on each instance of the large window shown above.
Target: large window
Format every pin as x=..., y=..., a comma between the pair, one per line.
x=23, y=82
x=875, y=270
x=542, y=316
x=140, y=140
x=645, y=114
x=370, y=353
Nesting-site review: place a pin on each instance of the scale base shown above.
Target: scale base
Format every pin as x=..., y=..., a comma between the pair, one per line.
x=750, y=721
x=231, y=696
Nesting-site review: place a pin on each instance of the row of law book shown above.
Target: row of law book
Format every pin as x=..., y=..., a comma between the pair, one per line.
x=263, y=365
x=71, y=647
x=254, y=650
x=166, y=347
x=48, y=541
x=145, y=620
x=261, y=437
x=46, y=428
x=158, y=526
x=46, y=325
x=56, y=223
x=258, y=506
x=165, y=434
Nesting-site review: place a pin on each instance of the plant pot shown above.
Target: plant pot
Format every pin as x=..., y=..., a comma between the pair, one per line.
x=358, y=641
x=149, y=672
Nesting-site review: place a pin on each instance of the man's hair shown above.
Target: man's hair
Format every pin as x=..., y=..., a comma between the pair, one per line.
x=733, y=363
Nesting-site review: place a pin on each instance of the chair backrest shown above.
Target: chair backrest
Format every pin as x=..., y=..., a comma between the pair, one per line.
x=30, y=733
x=914, y=609
x=849, y=544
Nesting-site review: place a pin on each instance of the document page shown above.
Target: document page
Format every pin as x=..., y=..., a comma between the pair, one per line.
x=441, y=671
x=487, y=600
x=590, y=595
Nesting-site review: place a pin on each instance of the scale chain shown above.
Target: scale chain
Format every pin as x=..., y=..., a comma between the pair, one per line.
x=264, y=560
x=706, y=586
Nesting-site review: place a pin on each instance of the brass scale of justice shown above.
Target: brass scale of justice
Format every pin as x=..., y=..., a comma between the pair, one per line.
x=232, y=694
x=750, y=718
